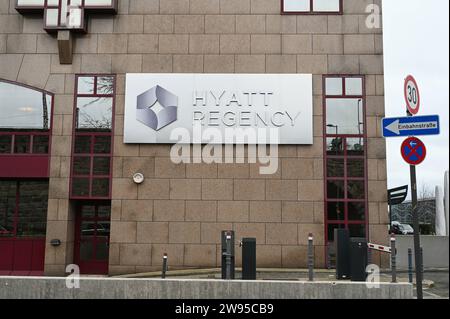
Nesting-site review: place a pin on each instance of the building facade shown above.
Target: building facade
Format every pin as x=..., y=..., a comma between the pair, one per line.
x=67, y=194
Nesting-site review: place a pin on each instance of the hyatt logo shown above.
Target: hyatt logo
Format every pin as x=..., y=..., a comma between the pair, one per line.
x=157, y=108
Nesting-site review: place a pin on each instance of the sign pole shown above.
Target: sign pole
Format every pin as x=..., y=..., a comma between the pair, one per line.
x=416, y=226
x=415, y=216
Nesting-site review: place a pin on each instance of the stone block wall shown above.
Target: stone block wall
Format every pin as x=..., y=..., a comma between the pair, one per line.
x=181, y=209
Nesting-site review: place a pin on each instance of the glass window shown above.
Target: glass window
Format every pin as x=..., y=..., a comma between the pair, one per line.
x=80, y=186
x=326, y=5
x=23, y=208
x=32, y=209
x=355, y=167
x=24, y=108
x=105, y=85
x=335, y=167
x=5, y=144
x=88, y=211
x=355, y=146
x=336, y=211
x=102, y=144
x=345, y=116
x=22, y=144
x=297, y=5
x=100, y=187
x=101, y=165
x=8, y=193
x=81, y=165
x=356, y=211
x=333, y=86
x=40, y=144
x=86, y=85
x=104, y=211
x=318, y=6
x=335, y=146
x=353, y=86
x=82, y=144
x=93, y=136
x=94, y=113
x=345, y=158
x=336, y=189
x=356, y=190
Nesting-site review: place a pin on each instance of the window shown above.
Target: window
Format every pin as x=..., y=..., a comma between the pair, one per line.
x=311, y=6
x=25, y=119
x=23, y=208
x=345, y=156
x=93, y=134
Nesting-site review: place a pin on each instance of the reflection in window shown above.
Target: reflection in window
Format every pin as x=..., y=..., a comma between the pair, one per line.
x=94, y=113
x=355, y=146
x=93, y=136
x=345, y=116
x=25, y=119
x=24, y=108
x=345, y=138
x=335, y=146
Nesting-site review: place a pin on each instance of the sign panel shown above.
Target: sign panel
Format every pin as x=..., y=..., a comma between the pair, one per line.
x=413, y=151
x=412, y=125
x=159, y=105
x=412, y=95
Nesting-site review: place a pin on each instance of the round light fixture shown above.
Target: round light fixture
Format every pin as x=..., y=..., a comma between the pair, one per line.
x=138, y=178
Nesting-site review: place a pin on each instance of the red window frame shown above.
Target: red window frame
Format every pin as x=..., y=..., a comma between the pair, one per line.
x=345, y=222
x=312, y=12
x=93, y=135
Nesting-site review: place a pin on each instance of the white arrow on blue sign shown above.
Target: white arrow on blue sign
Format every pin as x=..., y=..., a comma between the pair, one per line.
x=411, y=126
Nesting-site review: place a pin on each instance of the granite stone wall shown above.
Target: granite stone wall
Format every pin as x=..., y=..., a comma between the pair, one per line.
x=181, y=209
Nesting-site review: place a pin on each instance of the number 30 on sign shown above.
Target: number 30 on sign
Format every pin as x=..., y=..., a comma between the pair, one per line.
x=412, y=95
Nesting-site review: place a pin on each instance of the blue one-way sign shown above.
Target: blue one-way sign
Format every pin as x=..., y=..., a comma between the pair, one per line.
x=411, y=126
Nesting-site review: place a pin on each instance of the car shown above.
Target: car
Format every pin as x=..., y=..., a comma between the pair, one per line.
x=402, y=229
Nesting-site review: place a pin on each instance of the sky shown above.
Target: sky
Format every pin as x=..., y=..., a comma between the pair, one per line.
x=416, y=42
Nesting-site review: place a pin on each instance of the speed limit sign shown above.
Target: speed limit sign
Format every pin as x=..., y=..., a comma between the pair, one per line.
x=412, y=95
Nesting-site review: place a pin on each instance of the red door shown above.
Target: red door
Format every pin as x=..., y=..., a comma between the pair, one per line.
x=92, y=229
x=23, y=221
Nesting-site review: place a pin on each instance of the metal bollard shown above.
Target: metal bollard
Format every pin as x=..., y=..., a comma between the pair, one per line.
x=410, y=266
x=164, y=266
x=228, y=256
x=310, y=257
x=393, y=259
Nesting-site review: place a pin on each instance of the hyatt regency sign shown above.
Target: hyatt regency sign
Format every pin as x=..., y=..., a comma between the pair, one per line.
x=159, y=107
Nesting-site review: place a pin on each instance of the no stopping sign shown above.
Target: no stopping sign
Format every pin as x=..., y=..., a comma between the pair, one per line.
x=413, y=151
x=412, y=95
